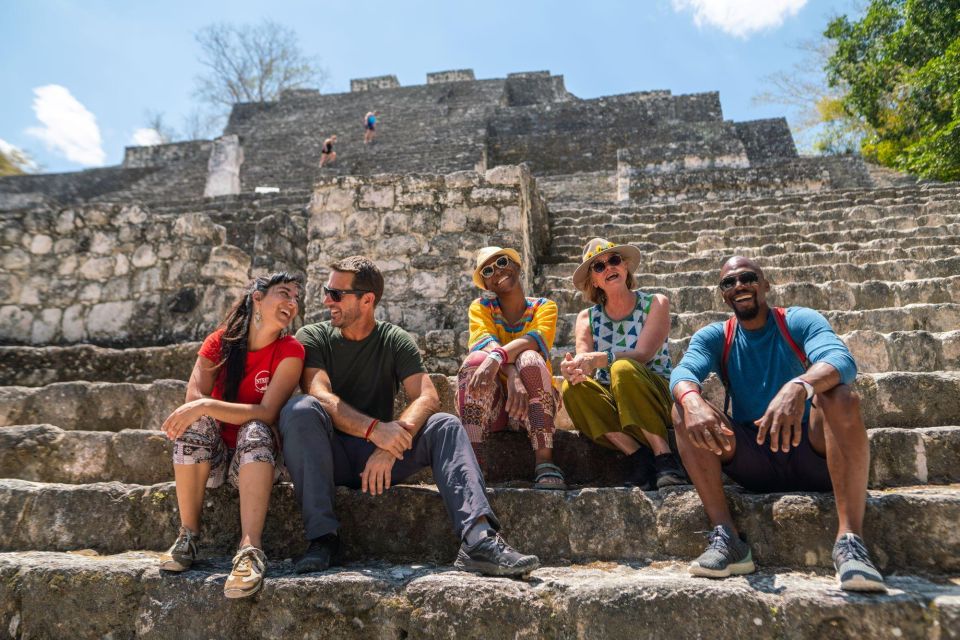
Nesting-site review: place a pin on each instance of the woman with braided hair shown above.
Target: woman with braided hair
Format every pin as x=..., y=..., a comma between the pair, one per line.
x=245, y=371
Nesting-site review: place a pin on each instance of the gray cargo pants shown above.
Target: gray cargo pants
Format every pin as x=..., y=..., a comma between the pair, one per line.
x=320, y=458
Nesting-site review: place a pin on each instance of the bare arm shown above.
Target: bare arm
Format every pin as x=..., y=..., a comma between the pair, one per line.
x=576, y=369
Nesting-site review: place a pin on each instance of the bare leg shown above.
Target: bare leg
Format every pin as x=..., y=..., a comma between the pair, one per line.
x=625, y=443
x=191, y=481
x=837, y=431
x=704, y=468
x=255, y=482
x=658, y=443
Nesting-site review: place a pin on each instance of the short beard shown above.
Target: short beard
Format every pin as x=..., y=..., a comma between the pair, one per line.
x=748, y=314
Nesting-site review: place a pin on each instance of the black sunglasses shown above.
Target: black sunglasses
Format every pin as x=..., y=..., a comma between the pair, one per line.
x=747, y=277
x=500, y=263
x=599, y=266
x=337, y=294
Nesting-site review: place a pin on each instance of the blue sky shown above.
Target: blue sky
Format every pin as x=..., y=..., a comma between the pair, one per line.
x=79, y=75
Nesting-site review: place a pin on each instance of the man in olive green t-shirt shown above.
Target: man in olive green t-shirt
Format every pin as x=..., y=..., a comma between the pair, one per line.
x=342, y=431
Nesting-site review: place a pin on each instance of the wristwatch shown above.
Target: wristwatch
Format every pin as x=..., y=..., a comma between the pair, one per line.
x=806, y=385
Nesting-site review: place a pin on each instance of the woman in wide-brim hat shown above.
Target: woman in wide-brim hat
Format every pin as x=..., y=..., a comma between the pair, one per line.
x=616, y=387
x=506, y=382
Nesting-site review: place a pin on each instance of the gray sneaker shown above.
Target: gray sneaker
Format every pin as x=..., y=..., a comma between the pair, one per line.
x=492, y=556
x=726, y=555
x=855, y=571
x=181, y=555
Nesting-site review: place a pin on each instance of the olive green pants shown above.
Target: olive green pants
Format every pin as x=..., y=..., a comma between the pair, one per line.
x=637, y=400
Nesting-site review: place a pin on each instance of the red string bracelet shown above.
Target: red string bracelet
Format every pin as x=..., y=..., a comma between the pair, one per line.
x=685, y=393
x=373, y=423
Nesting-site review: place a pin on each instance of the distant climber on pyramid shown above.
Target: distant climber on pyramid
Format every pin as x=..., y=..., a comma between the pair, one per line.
x=615, y=387
x=327, y=154
x=507, y=382
x=370, y=126
x=245, y=372
x=796, y=423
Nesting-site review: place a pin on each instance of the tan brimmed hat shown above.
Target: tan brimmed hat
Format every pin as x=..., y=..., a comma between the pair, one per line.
x=599, y=247
x=487, y=254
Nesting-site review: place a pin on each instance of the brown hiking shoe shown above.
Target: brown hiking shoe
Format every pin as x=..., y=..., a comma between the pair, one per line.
x=181, y=555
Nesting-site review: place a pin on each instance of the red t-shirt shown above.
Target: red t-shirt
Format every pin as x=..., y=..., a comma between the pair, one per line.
x=260, y=368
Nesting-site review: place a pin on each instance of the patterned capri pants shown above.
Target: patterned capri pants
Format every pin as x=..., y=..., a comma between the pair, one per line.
x=202, y=442
x=484, y=411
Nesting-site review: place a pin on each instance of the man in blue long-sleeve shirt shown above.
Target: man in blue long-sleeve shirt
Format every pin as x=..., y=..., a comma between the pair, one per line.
x=776, y=439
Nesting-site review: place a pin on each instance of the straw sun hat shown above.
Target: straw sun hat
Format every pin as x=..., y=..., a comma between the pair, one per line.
x=487, y=254
x=600, y=247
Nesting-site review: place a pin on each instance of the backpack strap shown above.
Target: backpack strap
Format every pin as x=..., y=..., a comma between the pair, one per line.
x=729, y=331
x=780, y=316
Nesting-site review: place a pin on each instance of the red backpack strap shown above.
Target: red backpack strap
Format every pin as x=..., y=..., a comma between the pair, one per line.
x=729, y=331
x=780, y=315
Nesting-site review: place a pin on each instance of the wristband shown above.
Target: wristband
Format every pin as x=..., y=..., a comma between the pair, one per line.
x=685, y=394
x=493, y=355
x=806, y=386
x=373, y=424
x=611, y=357
x=499, y=354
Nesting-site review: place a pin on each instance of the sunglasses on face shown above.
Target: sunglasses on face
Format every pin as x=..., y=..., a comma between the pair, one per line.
x=499, y=263
x=337, y=294
x=599, y=266
x=747, y=277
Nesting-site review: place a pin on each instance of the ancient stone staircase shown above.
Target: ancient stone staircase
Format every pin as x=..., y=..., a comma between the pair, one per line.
x=88, y=500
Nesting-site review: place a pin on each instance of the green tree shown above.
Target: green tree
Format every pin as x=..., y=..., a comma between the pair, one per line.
x=14, y=162
x=900, y=65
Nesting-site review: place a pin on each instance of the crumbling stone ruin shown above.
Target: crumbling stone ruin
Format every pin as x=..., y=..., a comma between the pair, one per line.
x=110, y=277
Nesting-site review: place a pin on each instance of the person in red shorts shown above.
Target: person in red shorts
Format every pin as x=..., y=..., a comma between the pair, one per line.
x=245, y=372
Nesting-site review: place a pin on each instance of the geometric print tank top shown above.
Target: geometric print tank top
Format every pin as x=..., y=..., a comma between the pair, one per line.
x=619, y=335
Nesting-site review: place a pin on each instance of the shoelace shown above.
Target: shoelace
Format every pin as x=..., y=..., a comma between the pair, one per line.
x=185, y=542
x=852, y=549
x=720, y=541
x=246, y=560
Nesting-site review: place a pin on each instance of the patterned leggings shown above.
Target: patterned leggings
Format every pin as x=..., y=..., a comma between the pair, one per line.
x=484, y=411
x=201, y=442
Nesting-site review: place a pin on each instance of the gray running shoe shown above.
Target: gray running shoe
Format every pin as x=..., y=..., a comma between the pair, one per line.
x=181, y=555
x=855, y=571
x=726, y=555
x=492, y=556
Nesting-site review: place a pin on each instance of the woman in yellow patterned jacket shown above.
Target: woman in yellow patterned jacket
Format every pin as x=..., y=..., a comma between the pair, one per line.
x=506, y=382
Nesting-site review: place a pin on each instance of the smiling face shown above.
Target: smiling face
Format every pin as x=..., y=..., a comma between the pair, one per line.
x=351, y=306
x=504, y=279
x=747, y=299
x=280, y=304
x=611, y=277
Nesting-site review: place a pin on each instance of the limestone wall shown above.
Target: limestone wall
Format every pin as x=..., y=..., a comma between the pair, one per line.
x=194, y=152
x=77, y=186
x=767, y=140
x=423, y=231
x=454, y=75
x=378, y=82
x=116, y=275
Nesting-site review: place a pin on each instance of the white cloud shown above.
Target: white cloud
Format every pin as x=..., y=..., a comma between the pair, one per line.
x=69, y=129
x=740, y=17
x=18, y=156
x=146, y=137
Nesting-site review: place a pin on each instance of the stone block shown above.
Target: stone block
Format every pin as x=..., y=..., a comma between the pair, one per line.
x=41, y=244
x=15, y=259
x=484, y=195
x=228, y=265
x=15, y=323
x=511, y=219
x=376, y=197
x=74, y=324
x=144, y=256
x=504, y=175
x=110, y=320
x=361, y=224
x=453, y=220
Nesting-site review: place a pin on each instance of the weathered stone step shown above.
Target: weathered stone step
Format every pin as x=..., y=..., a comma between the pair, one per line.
x=874, y=352
x=892, y=399
x=653, y=253
x=749, y=215
x=45, y=453
x=819, y=258
x=37, y=366
x=754, y=244
x=890, y=270
x=838, y=296
x=902, y=217
x=126, y=596
x=613, y=524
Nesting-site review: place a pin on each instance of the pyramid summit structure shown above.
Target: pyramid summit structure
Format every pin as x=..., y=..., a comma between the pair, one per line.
x=112, y=276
